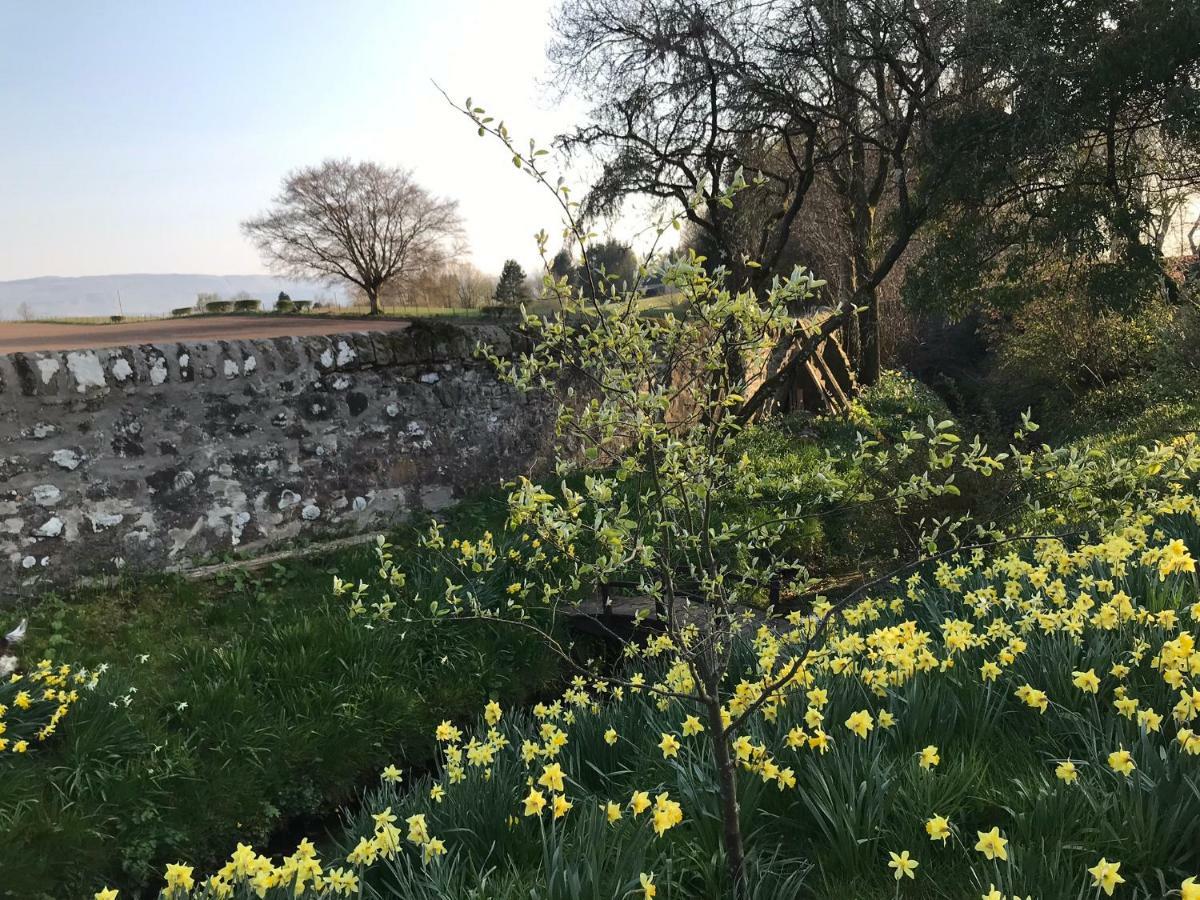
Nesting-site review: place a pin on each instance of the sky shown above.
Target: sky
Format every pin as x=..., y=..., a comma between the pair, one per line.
x=136, y=136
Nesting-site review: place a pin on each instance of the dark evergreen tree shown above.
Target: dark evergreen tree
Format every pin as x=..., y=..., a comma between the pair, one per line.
x=511, y=289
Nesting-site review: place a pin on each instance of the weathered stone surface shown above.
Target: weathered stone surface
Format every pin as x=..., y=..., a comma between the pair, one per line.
x=165, y=455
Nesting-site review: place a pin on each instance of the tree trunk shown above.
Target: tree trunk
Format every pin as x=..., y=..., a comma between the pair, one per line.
x=869, y=364
x=373, y=300
x=735, y=851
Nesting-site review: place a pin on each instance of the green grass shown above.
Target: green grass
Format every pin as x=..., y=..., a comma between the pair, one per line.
x=230, y=711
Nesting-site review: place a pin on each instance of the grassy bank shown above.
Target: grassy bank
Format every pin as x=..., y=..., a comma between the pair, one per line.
x=227, y=711
x=1017, y=723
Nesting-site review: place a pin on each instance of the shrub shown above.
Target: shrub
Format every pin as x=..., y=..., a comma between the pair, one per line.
x=302, y=305
x=182, y=311
x=250, y=305
x=284, y=306
x=1056, y=349
x=218, y=306
x=116, y=318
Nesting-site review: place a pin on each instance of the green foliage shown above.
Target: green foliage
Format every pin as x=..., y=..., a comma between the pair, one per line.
x=1055, y=350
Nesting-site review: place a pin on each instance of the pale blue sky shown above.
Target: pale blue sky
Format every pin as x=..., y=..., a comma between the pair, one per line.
x=137, y=135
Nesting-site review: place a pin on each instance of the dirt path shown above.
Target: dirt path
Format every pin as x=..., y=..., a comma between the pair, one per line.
x=23, y=337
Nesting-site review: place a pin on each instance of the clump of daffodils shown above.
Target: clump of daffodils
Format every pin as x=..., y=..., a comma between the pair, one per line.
x=32, y=705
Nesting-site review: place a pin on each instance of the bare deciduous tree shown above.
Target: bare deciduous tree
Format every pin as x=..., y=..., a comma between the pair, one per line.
x=364, y=223
x=843, y=96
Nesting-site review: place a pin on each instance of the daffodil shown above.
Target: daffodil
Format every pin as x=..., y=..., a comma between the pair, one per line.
x=1105, y=875
x=561, y=806
x=391, y=775
x=669, y=745
x=903, y=865
x=1121, y=762
x=640, y=801
x=930, y=757
x=860, y=723
x=1086, y=681
x=492, y=712
x=552, y=777
x=535, y=802
x=991, y=845
x=179, y=878
x=938, y=828
x=649, y=889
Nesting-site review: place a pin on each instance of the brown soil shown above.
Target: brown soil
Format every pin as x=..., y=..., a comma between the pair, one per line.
x=23, y=337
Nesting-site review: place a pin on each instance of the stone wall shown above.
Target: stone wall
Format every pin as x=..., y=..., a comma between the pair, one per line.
x=160, y=456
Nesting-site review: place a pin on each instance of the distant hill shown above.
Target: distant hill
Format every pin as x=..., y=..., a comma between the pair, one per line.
x=97, y=295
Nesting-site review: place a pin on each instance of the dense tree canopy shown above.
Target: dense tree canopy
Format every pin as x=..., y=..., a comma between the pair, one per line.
x=869, y=123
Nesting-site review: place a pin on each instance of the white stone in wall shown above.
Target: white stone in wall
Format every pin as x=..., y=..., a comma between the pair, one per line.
x=311, y=512
x=28, y=562
x=288, y=499
x=240, y=520
x=184, y=360
x=87, y=370
x=48, y=368
x=46, y=494
x=121, y=369
x=327, y=359
x=430, y=378
x=249, y=365
x=341, y=383
x=231, y=369
x=346, y=353
x=44, y=429
x=100, y=521
x=66, y=458
x=393, y=410
x=158, y=371
x=360, y=503
x=52, y=528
